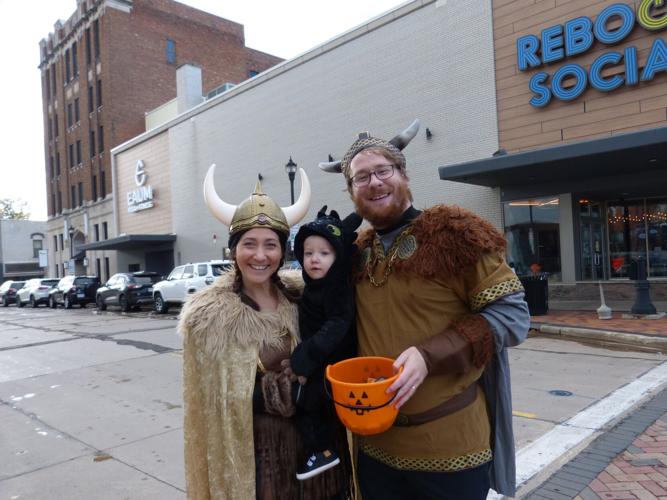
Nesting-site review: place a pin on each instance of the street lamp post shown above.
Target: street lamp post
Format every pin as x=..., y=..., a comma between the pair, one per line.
x=290, y=168
x=71, y=244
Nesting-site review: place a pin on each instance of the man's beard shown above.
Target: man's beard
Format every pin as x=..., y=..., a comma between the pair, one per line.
x=387, y=216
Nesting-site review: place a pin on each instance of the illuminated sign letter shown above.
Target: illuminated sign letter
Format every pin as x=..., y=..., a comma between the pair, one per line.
x=596, y=68
x=552, y=44
x=657, y=60
x=526, y=47
x=644, y=15
x=616, y=10
x=578, y=36
x=542, y=92
x=573, y=92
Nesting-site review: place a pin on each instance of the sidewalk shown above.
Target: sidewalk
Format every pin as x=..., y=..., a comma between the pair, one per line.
x=627, y=462
x=584, y=325
x=630, y=460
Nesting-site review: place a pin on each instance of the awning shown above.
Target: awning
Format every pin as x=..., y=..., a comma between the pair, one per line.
x=130, y=242
x=636, y=156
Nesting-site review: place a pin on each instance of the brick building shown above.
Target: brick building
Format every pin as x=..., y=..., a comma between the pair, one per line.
x=103, y=69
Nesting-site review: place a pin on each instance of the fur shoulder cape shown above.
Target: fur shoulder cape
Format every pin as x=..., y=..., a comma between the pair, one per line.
x=216, y=315
x=450, y=240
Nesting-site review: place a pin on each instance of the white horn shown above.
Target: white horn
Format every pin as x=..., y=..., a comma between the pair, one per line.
x=298, y=211
x=331, y=166
x=221, y=210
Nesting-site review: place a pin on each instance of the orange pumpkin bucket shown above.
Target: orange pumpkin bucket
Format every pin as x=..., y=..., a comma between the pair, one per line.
x=358, y=388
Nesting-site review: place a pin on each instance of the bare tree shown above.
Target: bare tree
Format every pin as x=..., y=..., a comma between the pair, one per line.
x=13, y=209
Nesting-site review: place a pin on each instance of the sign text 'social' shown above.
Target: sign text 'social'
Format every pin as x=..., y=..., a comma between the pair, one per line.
x=576, y=37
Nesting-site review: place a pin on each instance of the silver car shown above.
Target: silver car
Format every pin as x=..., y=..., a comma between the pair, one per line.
x=35, y=291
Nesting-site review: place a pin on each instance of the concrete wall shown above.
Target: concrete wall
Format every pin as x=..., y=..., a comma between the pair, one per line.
x=431, y=60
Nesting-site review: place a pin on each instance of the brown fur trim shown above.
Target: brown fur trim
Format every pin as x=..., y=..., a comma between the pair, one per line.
x=450, y=240
x=476, y=330
x=277, y=393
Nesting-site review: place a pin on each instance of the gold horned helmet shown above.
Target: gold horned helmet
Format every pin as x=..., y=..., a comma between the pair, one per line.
x=258, y=210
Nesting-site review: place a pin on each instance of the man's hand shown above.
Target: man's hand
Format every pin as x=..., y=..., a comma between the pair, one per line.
x=414, y=373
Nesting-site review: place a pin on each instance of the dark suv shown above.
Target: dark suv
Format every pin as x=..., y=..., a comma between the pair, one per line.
x=72, y=290
x=127, y=290
x=8, y=291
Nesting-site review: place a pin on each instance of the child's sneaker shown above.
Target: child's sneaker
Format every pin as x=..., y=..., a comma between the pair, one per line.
x=317, y=463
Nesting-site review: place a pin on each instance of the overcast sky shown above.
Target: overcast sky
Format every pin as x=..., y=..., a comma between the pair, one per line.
x=285, y=29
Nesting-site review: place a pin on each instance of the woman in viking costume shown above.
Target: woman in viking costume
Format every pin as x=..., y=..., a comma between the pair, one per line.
x=240, y=438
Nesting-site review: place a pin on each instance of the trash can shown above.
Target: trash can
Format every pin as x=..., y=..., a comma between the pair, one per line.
x=537, y=293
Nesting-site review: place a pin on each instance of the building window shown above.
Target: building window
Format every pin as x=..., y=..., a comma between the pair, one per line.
x=52, y=167
x=57, y=163
x=252, y=73
x=57, y=271
x=171, y=51
x=36, y=247
x=103, y=185
x=60, y=238
x=637, y=228
x=98, y=268
x=73, y=197
x=55, y=243
x=105, y=230
x=49, y=127
x=47, y=83
x=77, y=114
x=80, y=193
x=68, y=74
x=94, y=187
x=92, y=143
x=70, y=115
x=96, y=229
x=55, y=125
x=78, y=152
x=99, y=93
x=70, y=150
x=60, y=204
x=100, y=139
x=75, y=62
x=96, y=38
x=106, y=269
x=91, y=104
x=532, y=229
x=53, y=203
x=88, y=51
x=53, y=82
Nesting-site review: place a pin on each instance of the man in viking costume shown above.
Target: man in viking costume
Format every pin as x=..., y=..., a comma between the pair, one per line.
x=241, y=441
x=434, y=292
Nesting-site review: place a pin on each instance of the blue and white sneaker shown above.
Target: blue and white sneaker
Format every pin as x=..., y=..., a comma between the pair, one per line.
x=317, y=463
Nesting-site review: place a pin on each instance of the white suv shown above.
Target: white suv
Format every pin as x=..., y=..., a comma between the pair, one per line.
x=184, y=280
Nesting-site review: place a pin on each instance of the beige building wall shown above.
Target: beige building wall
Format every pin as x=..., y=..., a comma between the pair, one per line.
x=154, y=153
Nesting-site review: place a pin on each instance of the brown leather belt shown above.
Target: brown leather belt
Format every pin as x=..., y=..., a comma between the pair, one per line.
x=450, y=406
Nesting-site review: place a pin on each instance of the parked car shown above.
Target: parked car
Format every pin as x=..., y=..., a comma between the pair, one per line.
x=72, y=290
x=184, y=280
x=36, y=291
x=127, y=290
x=8, y=291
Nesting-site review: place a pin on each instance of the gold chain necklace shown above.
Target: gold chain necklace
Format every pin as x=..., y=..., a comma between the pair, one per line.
x=393, y=254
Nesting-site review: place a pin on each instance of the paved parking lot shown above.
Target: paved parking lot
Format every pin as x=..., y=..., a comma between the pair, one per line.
x=91, y=404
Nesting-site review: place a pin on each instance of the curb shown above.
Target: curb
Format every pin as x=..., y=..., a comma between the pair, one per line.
x=607, y=337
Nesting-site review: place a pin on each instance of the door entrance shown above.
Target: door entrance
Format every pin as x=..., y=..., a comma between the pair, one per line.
x=592, y=251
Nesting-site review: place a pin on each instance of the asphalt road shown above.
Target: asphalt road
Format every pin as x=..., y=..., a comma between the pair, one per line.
x=91, y=405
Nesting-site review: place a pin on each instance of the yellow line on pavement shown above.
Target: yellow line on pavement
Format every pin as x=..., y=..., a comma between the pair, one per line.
x=524, y=414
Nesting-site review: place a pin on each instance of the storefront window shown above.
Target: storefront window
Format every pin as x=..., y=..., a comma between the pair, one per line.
x=533, y=236
x=638, y=229
x=656, y=231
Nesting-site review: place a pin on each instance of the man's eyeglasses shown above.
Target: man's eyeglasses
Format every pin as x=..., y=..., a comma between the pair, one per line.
x=382, y=172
